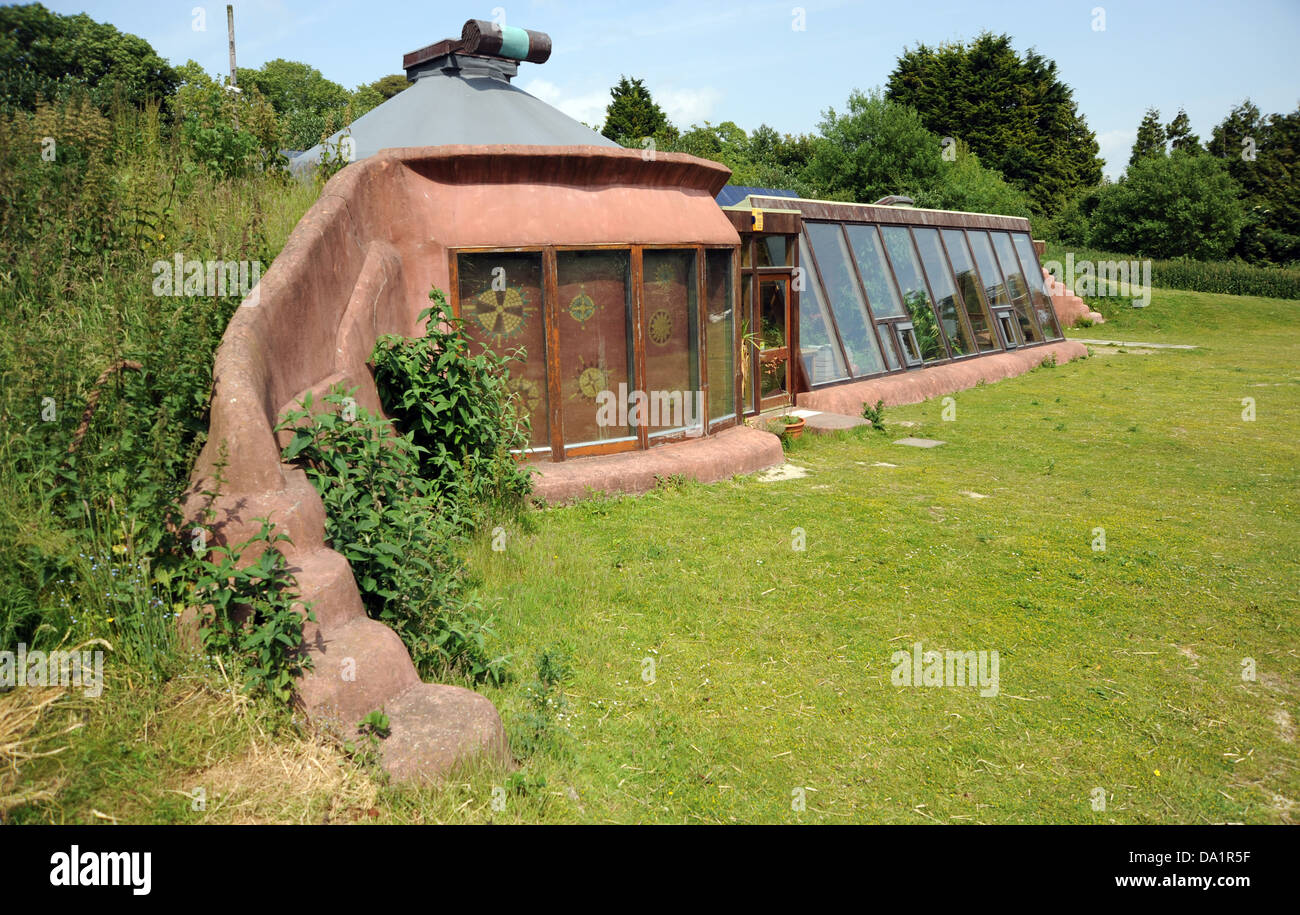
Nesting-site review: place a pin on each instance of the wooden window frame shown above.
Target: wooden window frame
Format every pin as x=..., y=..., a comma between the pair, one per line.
x=558, y=451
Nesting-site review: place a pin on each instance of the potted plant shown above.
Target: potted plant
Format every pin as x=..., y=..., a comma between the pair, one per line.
x=788, y=425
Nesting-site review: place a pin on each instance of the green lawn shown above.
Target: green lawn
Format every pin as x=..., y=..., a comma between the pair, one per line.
x=1119, y=669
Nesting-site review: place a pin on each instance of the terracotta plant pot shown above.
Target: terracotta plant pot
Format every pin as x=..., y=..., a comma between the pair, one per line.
x=794, y=430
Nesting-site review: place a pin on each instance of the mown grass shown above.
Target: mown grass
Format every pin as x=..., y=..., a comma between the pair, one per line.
x=1120, y=669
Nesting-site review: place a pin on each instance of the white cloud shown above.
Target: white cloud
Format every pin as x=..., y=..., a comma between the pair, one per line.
x=1116, y=146
x=588, y=107
x=686, y=107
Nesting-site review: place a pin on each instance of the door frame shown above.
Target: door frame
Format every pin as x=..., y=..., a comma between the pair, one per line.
x=760, y=354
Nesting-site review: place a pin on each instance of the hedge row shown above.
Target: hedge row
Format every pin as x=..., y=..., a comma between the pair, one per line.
x=1231, y=277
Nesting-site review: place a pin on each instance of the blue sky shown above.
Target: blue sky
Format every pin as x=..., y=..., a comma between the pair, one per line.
x=745, y=62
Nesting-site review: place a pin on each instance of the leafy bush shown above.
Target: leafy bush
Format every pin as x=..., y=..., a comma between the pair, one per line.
x=965, y=184
x=252, y=615
x=875, y=148
x=231, y=133
x=384, y=517
x=44, y=53
x=1232, y=277
x=875, y=415
x=456, y=407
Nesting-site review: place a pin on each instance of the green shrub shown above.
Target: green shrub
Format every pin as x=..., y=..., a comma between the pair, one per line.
x=1232, y=277
x=252, y=616
x=875, y=415
x=456, y=407
x=230, y=133
x=385, y=518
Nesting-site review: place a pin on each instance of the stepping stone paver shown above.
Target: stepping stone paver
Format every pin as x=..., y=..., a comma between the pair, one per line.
x=920, y=442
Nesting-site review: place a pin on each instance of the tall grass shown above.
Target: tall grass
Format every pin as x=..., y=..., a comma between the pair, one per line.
x=85, y=548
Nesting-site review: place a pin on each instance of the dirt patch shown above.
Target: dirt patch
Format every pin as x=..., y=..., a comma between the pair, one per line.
x=1285, y=726
x=304, y=781
x=23, y=741
x=786, y=471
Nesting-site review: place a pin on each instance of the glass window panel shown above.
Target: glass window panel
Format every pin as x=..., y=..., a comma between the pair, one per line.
x=1016, y=285
x=772, y=318
x=936, y=269
x=995, y=292
x=500, y=297
x=891, y=357
x=846, y=300
x=870, y=256
x=1037, y=285
x=915, y=296
x=771, y=251
x=972, y=294
x=818, y=351
x=748, y=343
x=720, y=335
x=595, y=315
x=672, y=342
x=771, y=312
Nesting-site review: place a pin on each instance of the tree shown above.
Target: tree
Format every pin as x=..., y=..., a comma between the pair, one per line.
x=1236, y=139
x=874, y=149
x=292, y=86
x=1015, y=114
x=45, y=54
x=633, y=115
x=878, y=147
x=764, y=158
x=372, y=95
x=1151, y=138
x=1180, y=136
x=310, y=107
x=1171, y=206
x=1263, y=154
x=390, y=85
x=963, y=183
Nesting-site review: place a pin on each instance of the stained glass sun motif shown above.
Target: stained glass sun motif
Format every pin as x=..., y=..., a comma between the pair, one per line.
x=665, y=275
x=501, y=313
x=582, y=307
x=661, y=326
x=592, y=379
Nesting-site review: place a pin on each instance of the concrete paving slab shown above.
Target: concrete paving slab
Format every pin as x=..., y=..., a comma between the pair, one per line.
x=920, y=442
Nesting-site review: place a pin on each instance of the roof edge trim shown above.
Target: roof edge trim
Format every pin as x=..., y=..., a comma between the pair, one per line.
x=584, y=166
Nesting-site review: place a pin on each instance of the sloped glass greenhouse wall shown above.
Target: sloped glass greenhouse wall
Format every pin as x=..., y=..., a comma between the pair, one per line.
x=823, y=360
x=861, y=348
x=880, y=298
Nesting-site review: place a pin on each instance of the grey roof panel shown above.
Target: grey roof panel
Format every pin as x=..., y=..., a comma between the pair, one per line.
x=443, y=108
